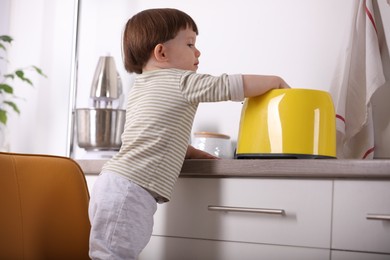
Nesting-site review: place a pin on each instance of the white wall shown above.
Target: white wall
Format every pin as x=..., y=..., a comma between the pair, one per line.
x=298, y=40
x=264, y=37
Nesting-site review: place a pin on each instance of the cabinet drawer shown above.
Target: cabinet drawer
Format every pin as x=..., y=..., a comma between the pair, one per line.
x=306, y=204
x=353, y=202
x=349, y=255
x=173, y=248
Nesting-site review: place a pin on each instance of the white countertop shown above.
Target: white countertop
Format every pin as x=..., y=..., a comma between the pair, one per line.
x=291, y=168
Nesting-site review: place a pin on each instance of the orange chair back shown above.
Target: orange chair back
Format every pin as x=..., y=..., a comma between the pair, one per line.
x=43, y=208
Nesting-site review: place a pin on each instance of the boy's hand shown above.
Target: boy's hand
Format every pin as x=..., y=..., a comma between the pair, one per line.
x=255, y=85
x=193, y=153
x=283, y=84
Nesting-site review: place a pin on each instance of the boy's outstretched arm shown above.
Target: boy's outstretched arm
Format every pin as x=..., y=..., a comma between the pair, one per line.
x=255, y=85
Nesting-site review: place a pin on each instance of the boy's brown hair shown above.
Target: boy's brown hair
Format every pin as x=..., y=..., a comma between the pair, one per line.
x=147, y=29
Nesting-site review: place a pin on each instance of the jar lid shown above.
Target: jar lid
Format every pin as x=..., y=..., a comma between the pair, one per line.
x=211, y=135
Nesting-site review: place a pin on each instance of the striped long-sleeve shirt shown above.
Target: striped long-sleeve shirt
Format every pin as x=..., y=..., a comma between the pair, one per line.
x=160, y=110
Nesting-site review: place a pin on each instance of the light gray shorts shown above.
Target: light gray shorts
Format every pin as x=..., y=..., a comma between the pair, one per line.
x=121, y=215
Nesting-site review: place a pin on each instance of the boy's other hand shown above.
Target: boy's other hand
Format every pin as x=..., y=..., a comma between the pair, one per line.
x=193, y=153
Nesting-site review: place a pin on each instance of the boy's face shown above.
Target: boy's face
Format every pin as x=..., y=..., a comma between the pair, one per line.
x=181, y=52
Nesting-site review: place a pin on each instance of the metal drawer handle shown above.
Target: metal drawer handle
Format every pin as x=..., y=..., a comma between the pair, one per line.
x=378, y=216
x=248, y=210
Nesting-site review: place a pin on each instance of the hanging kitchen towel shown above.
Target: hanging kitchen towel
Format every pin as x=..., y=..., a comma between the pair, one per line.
x=358, y=76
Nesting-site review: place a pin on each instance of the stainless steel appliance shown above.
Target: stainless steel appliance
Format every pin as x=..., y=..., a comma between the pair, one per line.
x=100, y=127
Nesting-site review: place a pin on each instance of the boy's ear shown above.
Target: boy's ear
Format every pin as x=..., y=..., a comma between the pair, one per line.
x=159, y=52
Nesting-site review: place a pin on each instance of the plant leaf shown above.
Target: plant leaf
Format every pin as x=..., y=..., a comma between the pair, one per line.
x=6, y=88
x=2, y=46
x=39, y=71
x=13, y=105
x=11, y=76
x=6, y=38
x=3, y=116
x=20, y=75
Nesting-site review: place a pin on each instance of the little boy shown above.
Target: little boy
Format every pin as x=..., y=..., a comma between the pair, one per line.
x=158, y=45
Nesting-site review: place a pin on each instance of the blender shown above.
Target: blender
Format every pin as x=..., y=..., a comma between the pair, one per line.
x=99, y=128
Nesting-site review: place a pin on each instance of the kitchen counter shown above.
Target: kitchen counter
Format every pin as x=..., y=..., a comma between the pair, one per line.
x=290, y=168
x=321, y=218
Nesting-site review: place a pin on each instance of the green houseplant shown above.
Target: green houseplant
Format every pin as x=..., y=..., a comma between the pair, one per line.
x=8, y=81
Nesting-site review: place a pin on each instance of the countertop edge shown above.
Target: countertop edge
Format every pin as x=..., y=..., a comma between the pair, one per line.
x=277, y=168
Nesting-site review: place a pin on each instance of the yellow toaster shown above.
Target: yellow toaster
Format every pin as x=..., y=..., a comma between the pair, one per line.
x=287, y=123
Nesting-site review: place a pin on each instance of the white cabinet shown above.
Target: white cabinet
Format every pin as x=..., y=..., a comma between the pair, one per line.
x=349, y=255
x=325, y=203
x=304, y=224
x=173, y=248
x=322, y=219
x=360, y=209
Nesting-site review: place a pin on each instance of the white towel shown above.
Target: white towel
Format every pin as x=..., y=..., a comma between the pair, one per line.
x=358, y=76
